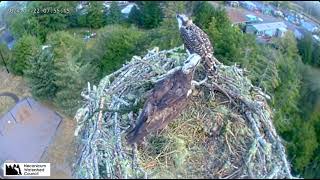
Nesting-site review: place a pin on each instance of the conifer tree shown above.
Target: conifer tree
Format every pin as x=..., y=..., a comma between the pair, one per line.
x=40, y=75
x=167, y=35
x=116, y=45
x=306, y=48
x=114, y=14
x=25, y=49
x=95, y=15
x=71, y=77
x=135, y=16
x=151, y=14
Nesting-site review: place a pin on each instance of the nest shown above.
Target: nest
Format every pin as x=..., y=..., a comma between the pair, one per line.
x=225, y=132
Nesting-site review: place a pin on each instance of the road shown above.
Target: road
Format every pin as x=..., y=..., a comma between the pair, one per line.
x=266, y=18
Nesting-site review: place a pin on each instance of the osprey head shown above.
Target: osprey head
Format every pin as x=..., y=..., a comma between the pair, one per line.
x=191, y=63
x=183, y=20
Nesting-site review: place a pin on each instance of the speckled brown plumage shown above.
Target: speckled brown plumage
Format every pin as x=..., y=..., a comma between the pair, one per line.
x=197, y=41
x=166, y=102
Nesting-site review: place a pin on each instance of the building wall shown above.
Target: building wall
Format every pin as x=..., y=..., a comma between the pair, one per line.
x=250, y=29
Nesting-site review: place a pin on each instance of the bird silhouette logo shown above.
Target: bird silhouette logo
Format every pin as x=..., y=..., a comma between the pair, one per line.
x=13, y=170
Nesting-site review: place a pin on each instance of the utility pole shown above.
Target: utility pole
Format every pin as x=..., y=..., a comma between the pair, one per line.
x=4, y=62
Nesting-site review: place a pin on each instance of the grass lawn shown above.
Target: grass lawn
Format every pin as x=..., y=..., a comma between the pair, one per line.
x=13, y=84
x=81, y=32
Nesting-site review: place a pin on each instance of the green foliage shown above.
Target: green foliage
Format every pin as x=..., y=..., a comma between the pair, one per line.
x=6, y=54
x=204, y=12
x=134, y=16
x=297, y=106
x=114, y=15
x=312, y=170
x=290, y=76
x=95, y=15
x=309, y=50
x=42, y=18
x=24, y=49
x=63, y=42
x=167, y=36
x=82, y=20
x=303, y=145
x=230, y=44
x=228, y=47
x=117, y=44
x=40, y=75
x=278, y=71
x=306, y=48
x=72, y=71
x=316, y=55
x=24, y=25
x=71, y=77
x=151, y=14
x=264, y=68
x=310, y=92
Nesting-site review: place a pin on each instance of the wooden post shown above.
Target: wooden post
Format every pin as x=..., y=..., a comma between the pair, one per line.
x=100, y=112
x=4, y=62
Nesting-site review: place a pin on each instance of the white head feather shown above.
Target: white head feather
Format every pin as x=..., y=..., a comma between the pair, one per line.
x=191, y=63
x=182, y=19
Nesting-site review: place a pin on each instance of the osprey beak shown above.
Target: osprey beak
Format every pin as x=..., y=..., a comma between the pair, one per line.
x=177, y=15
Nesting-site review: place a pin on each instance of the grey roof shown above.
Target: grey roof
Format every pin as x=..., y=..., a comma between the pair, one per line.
x=269, y=26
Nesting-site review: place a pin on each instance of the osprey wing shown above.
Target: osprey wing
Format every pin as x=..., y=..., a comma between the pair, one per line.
x=187, y=39
x=203, y=41
x=196, y=41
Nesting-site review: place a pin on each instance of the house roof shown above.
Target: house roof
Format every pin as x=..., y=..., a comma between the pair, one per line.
x=127, y=9
x=249, y=3
x=308, y=25
x=26, y=131
x=269, y=26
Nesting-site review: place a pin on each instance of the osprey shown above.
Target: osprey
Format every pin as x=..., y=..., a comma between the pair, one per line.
x=197, y=41
x=167, y=100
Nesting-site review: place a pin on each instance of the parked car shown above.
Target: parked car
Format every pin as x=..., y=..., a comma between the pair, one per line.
x=233, y=3
x=278, y=13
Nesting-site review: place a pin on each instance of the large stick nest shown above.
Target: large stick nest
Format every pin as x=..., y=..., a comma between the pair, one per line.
x=225, y=132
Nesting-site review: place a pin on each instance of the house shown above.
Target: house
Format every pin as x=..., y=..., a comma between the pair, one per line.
x=26, y=131
x=297, y=34
x=249, y=5
x=126, y=10
x=275, y=29
x=233, y=3
x=316, y=38
x=253, y=19
x=120, y=3
x=300, y=32
x=265, y=9
x=278, y=13
x=309, y=26
x=280, y=32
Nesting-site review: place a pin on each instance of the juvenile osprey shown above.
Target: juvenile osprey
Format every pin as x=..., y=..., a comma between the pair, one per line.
x=167, y=100
x=197, y=41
